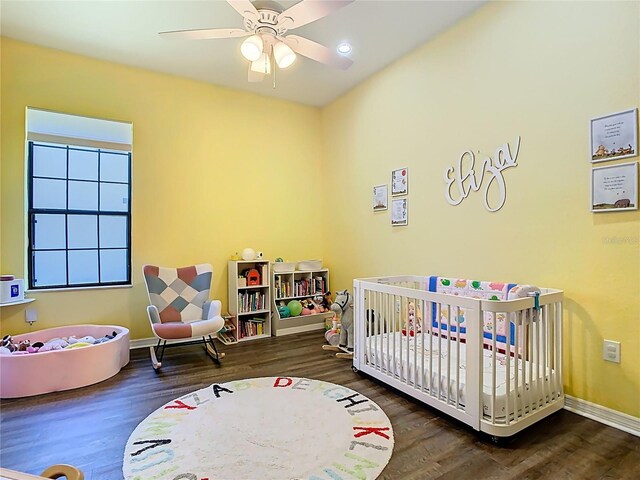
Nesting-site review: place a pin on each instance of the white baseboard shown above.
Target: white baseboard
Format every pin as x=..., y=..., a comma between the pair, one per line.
x=613, y=418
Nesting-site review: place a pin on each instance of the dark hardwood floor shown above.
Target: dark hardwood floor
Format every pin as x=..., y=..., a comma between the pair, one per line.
x=89, y=427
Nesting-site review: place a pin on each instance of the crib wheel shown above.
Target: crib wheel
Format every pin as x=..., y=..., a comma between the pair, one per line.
x=355, y=370
x=498, y=441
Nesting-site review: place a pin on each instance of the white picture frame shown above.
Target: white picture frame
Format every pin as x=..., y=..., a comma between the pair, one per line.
x=399, y=212
x=614, y=136
x=400, y=182
x=380, y=198
x=614, y=188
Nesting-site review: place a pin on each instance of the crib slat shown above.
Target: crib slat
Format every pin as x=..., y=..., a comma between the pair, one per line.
x=493, y=372
x=507, y=353
x=422, y=306
x=458, y=389
x=448, y=376
x=517, y=400
x=439, y=376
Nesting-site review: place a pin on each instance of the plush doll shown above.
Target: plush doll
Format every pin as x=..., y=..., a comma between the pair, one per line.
x=78, y=345
x=413, y=320
x=332, y=335
x=86, y=339
x=7, y=342
x=54, y=344
x=23, y=345
x=342, y=306
x=107, y=337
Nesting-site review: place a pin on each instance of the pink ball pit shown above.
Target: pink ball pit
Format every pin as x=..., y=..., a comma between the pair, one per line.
x=56, y=370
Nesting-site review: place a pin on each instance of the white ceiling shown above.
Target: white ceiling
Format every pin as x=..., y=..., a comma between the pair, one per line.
x=126, y=32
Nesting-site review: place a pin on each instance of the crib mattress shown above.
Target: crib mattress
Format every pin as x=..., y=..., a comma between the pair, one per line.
x=380, y=352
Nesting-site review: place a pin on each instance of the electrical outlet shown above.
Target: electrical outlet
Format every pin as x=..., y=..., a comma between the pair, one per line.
x=30, y=315
x=611, y=351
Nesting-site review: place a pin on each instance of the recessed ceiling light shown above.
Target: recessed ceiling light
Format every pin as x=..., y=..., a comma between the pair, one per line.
x=344, y=49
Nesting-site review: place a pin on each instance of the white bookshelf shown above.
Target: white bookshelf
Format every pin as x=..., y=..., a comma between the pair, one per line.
x=249, y=305
x=298, y=285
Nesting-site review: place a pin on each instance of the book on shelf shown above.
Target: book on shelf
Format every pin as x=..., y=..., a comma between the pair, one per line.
x=250, y=302
x=252, y=327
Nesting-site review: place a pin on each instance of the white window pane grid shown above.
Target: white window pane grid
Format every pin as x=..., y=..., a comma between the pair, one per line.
x=74, y=249
x=114, y=167
x=50, y=268
x=49, y=162
x=49, y=232
x=83, y=164
x=82, y=231
x=114, y=197
x=113, y=231
x=49, y=194
x=83, y=266
x=113, y=265
x=83, y=195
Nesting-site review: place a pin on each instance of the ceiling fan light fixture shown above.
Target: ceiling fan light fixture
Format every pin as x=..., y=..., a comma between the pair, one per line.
x=251, y=48
x=344, y=48
x=262, y=64
x=284, y=55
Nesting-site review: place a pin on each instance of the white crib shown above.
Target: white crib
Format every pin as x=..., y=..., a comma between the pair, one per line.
x=458, y=361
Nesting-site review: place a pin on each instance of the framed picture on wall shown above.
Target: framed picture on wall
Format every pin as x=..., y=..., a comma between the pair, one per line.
x=614, y=136
x=380, y=198
x=399, y=212
x=614, y=188
x=400, y=182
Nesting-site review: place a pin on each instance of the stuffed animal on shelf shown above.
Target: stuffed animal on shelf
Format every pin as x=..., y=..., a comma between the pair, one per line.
x=413, y=320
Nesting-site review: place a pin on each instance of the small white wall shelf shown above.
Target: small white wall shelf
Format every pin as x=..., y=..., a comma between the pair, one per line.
x=21, y=302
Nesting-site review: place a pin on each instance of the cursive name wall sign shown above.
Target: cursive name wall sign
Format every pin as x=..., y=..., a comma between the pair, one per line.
x=456, y=190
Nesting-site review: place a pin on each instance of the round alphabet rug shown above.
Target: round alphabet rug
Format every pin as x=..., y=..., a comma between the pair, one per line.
x=262, y=428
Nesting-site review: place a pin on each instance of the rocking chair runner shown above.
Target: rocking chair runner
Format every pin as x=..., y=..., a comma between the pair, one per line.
x=180, y=308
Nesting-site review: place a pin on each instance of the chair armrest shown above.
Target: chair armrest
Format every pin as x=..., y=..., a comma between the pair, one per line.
x=211, y=309
x=67, y=471
x=153, y=314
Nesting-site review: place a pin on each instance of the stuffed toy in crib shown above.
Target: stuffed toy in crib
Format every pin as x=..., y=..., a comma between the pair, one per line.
x=412, y=321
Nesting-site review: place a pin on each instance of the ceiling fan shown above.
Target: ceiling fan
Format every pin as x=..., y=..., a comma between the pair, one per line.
x=265, y=24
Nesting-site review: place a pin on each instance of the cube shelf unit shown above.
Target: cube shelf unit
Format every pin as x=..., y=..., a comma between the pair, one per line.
x=298, y=285
x=249, y=305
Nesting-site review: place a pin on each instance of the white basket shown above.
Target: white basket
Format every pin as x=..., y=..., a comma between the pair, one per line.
x=279, y=267
x=308, y=265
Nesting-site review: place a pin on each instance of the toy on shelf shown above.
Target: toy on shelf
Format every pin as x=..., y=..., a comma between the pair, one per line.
x=248, y=254
x=342, y=306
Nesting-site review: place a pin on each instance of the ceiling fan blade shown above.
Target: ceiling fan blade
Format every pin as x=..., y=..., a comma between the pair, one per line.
x=317, y=52
x=254, y=76
x=206, y=33
x=308, y=11
x=244, y=8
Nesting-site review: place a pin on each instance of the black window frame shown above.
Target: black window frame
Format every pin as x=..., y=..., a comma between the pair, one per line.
x=32, y=212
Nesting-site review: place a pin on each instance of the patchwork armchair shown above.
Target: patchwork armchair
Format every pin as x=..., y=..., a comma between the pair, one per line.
x=180, y=308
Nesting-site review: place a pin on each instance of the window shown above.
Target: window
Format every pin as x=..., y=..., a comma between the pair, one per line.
x=79, y=214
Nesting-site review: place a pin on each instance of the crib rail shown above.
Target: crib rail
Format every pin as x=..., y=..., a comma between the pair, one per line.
x=498, y=386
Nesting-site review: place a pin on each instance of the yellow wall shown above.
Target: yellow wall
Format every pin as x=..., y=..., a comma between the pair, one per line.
x=535, y=69
x=214, y=170
x=539, y=70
